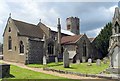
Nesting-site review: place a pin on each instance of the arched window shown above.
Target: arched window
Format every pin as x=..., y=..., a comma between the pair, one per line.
x=9, y=29
x=84, y=49
x=21, y=47
x=117, y=28
x=68, y=27
x=9, y=42
x=50, y=49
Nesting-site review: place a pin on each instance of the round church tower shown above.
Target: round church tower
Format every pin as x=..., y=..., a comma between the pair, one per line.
x=73, y=25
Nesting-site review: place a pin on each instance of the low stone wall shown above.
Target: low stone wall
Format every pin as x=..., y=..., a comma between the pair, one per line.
x=80, y=74
x=4, y=70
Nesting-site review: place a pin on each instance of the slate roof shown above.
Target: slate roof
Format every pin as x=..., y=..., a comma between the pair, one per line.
x=70, y=39
x=27, y=29
x=62, y=30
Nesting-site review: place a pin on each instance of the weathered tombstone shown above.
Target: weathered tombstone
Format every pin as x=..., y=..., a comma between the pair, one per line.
x=98, y=62
x=66, y=59
x=56, y=59
x=78, y=61
x=89, y=62
x=83, y=59
x=44, y=60
x=105, y=60
x=4, y=70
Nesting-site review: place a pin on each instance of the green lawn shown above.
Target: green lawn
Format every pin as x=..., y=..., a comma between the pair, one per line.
x=81, y=68
x=21, y=73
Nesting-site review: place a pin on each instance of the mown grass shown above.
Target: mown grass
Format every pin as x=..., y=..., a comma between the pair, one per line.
x=21, y=73
x=81, y=68
x=43, y=66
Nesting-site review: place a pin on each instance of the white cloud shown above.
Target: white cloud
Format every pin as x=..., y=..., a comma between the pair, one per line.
x=33, y=10
x=94, y=32
x=1, y=22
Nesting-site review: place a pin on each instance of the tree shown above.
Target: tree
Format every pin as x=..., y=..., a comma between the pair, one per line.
x=102, y=40
x=1, y=47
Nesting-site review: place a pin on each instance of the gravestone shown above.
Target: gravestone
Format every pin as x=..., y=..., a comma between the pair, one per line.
x=4, y=70
x=105, y=60
x=98, y=62
x=56, y=59
x=83, y=59
x=89, y=62
x=78, y=61
x=66, y=59
x=44, y=60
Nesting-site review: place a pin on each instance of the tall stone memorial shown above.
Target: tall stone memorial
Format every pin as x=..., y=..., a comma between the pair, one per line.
x=114, y=44
x=66, y=59
x=44, y=51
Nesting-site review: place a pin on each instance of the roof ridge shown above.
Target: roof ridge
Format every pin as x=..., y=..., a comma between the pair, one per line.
x=79, y=37
x=23, y=22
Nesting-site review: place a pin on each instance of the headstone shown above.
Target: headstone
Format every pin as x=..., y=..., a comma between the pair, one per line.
x=66, y=59
x=44, y=60
x=105, y=60
x=98, y=62
x=78, y=61
x=56, y=59
x=83, y=59
x=4, y=70
x=89, y=62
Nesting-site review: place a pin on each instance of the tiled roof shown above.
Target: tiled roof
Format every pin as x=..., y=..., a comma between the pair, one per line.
x=27, y=29
x=70, y=39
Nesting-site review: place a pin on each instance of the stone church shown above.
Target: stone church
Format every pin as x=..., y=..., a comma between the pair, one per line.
x=114, y=44
x=28, y=43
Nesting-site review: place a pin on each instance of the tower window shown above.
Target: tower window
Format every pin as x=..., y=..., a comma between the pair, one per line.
x=21, y=47
x=68, y=27
x=9, y=43
x=78, y=27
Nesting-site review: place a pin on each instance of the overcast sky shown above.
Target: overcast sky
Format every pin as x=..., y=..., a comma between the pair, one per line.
x=93, y=15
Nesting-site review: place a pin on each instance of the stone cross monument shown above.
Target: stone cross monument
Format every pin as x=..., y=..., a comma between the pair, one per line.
x=114, y=44
x=59, y=37
x=66, y=59
x=44, y=50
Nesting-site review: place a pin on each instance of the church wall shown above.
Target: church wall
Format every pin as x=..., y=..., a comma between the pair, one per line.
x=91, y=51
x=12, y=54
x=35, y=54
x=22, y=56
x=70, y=47
x=80, y=47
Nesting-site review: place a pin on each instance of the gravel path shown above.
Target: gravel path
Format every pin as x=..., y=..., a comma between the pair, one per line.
x=56, y=74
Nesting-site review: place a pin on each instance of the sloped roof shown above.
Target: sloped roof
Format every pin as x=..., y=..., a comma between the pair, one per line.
x=70, y=39
x=91, y=39
x=27, y=29
x=62, y=30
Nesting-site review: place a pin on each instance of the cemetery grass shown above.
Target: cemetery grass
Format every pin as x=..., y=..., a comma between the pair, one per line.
x=81, y=68
x=21, y=73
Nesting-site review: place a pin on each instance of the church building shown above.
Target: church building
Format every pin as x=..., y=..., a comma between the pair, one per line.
x=28, y=43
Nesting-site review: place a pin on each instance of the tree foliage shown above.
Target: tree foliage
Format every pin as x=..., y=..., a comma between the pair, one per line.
x=102, y=40
x=1, y=47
